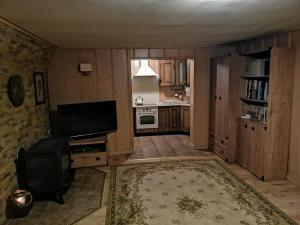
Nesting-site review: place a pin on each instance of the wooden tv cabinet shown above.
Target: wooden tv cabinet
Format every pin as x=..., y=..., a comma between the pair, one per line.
x=88, y=152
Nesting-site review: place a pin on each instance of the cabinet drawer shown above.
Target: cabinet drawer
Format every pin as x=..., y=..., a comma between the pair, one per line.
x=211, y=141
x=88, y=159
x=222, y=152
x=222, y=142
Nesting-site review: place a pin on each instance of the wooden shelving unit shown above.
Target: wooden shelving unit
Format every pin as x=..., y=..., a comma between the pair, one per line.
x=255, y=77
x=254, y=101
x=263, y=147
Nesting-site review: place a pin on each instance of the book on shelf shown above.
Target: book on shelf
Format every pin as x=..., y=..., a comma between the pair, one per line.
x=258, y=67
x=257, y=90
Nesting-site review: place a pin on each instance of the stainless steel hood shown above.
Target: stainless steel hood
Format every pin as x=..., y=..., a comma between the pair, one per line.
x=145, y=70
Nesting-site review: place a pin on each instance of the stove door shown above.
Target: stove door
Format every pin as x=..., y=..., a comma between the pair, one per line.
x=147, y=120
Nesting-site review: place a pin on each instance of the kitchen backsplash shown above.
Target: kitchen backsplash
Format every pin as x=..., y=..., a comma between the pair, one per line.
x=168, y=93
x=147, y=87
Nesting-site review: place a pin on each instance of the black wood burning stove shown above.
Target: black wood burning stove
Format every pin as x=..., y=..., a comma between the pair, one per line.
x=45, y=168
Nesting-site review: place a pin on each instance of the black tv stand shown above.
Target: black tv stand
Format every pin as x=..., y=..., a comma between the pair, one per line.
x=86, y=136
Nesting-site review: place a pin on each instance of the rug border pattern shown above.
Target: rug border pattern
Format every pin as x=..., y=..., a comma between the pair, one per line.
x=112, y=195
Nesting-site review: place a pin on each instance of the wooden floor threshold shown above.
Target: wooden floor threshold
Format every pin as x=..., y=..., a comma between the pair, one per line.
x=169, y=159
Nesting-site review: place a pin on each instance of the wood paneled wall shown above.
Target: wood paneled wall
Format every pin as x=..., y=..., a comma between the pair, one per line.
x=200, y=89
x=107, y=81
x=294, y=153
x=288, y=39
x=110, y=80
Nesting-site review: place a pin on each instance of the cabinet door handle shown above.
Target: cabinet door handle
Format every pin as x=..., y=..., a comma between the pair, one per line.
x=97, y=158
x=216, y=97
x=212, y=135
x=265, y=128
x=220, y=98
x=246, y=125
x=253, y=128
x=222, y=141
x=226, y=137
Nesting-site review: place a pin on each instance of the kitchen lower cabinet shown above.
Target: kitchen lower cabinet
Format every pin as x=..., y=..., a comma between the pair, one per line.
x=171, y=119
x=164, y=119
x=175, y=119
x=185, y=119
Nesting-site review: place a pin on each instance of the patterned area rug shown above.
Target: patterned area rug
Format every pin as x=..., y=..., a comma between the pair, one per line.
x=82, y=198
x=187, y=193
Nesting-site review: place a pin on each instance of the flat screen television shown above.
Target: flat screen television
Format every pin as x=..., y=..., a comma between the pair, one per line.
x=86, y=119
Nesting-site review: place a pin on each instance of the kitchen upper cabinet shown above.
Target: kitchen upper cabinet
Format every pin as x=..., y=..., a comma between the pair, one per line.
x=167, y=73
x=185, y=119
x=180, y=72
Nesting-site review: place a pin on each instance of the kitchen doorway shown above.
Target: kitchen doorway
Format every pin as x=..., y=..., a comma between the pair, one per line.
x=161, y=97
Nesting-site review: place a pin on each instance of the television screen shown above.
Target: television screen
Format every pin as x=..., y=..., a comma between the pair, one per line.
x=86, y=118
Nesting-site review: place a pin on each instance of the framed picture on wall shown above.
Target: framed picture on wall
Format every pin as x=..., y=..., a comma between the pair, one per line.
x=39, y=87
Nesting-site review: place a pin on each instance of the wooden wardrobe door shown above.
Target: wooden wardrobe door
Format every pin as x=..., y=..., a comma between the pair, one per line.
x=213, y=98
x=256, y=147
x=224, y=73
x=222, y=82
x=244, y=141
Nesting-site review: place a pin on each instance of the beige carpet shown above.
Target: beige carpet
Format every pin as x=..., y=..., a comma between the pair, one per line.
x=82, y=198
x=187, y=193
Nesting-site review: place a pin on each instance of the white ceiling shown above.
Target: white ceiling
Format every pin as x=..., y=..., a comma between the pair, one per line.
x=151, y=23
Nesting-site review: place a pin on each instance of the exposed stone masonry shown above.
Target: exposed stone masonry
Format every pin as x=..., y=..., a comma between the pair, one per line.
x=19, y=126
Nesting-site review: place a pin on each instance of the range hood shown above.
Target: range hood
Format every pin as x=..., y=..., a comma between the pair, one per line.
x=145, y=70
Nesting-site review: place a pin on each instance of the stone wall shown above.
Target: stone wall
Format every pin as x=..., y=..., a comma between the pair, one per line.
x=19, y=126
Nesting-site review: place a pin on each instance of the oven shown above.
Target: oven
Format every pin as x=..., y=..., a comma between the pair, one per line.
x=146, y=117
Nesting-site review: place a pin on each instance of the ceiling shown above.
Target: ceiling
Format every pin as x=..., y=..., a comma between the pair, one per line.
x=151, y=23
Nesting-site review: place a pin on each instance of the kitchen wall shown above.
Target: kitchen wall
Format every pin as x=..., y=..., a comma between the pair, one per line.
x=24, y=125
x=147, y=87
x=288, y=39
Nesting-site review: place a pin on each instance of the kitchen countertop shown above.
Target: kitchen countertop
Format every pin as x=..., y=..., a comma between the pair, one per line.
x=161, y=104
